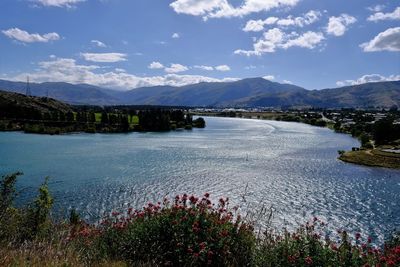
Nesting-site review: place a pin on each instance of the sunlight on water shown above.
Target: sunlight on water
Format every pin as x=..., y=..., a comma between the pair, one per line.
x=289, y=166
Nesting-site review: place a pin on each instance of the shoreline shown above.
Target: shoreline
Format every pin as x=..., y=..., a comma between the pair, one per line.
x=371, y=157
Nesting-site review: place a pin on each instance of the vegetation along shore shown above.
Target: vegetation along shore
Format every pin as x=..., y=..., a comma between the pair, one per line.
x=183, y=231
x=48, y=116
x=378, y=130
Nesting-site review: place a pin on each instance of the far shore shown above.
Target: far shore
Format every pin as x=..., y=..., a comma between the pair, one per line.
x=366, y=157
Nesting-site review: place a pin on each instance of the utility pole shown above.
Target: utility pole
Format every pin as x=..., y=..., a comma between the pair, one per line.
x=28, y=87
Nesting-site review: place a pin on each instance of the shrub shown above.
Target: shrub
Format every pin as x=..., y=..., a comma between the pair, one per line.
x=188, y=232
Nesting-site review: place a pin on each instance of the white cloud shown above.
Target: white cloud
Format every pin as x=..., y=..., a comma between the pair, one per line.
x=175, y=68
x=376, y=8
x=287, y=82
x=155, y=65
x=307, y=40
x=66, y=70
x=224, y=9
x=258, y=25
x=395, y=15
x=104, y=57
x=337, y=26
x=269, y=77
x=275, y=38
x=388, y=40
x=59, y=3
x=223, y=68
x=175, y=35
x=98, y=43
x=369, y=78
x=307, y=19
x=120, y=70
x=202, y=67
x=24, y=36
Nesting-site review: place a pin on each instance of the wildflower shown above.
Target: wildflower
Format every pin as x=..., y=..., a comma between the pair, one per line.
x=358, y=236
x=369, y=240
x=190, y=250
x=202, y=245
x=291, y=259
x=114, y=213
x=308, y=260
x=206, y=195
x=210, y=254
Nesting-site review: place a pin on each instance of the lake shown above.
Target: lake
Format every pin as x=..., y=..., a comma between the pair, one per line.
x=290, y=167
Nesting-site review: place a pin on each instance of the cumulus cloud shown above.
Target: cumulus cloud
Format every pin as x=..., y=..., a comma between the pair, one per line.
x=369, y=78
x=98, y=43
x=26, y=37
x=275, y=38
x=287, y=82
x=337, y=26
x=307, y=40
x=395, y=15
x=224, y=9
x=59, y=3
x=269, y=77
x=155, y=65
x=307, y=19
x=104, y=57
x=175, y=68
x=388, y=40
x=67, y=70
x=223, y=68
x=175, y=35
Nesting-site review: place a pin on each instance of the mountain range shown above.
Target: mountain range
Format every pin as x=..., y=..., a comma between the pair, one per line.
x=251, y=92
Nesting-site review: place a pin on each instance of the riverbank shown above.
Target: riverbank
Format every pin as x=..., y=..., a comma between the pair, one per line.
x=372, y=157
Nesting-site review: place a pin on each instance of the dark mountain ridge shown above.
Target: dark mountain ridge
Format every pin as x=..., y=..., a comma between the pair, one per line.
x=251, y=92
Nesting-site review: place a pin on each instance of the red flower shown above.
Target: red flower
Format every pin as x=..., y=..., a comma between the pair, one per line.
x=206, y=195
x=308, y=260
x=369, y=239
x=357, y=235
x=202, y=245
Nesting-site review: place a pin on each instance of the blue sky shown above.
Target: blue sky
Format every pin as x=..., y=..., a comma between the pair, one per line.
x=124, y=44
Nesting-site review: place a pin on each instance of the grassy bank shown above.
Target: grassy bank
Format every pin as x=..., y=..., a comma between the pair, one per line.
x=372, y=157
x=183, y=231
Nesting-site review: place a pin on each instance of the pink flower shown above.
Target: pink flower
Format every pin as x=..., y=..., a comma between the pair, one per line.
x=308, y=260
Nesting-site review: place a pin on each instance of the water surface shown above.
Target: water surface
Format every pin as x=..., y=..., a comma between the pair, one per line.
x=289, y=166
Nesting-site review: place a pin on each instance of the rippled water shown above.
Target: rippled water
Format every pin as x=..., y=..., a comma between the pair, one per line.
x=289, y=166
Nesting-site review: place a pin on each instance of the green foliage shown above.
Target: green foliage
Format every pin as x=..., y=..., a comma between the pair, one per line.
x=199, y=123
x=8, y=192
x=74, y=217
x=38, y=215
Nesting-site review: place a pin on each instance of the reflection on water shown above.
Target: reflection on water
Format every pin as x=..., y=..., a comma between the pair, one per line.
x=289, y=166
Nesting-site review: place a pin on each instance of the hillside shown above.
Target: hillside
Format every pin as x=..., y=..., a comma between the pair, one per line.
x=252, y=92
x=11, y=102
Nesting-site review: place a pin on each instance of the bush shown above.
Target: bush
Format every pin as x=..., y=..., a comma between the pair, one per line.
x=188, y=232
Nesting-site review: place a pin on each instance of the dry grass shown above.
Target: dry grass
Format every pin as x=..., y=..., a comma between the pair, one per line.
x=373, y=158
